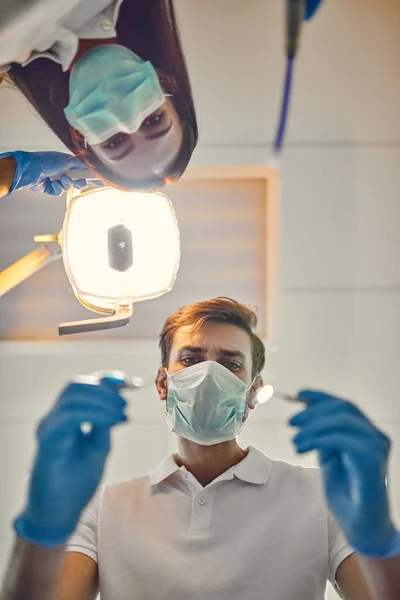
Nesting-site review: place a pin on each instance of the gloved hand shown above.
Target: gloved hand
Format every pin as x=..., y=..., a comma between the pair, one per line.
x=353, y=455
x=69, y=464
x=34, y=170
x=311, y=8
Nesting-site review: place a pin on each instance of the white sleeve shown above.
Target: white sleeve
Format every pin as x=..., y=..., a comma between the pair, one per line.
x=84, y=538
x=339, y=548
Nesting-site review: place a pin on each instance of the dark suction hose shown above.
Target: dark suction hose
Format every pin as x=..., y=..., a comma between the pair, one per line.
x=285, y=107
x=295, y=13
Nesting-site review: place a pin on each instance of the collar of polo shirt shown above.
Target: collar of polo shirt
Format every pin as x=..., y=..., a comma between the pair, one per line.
x=254, y=468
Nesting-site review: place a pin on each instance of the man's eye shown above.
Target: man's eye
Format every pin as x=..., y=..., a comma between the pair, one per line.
x=231, y=366
x=154, y=120
x=190, y=360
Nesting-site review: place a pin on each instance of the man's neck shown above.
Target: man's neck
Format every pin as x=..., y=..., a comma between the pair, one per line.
x=206, y=463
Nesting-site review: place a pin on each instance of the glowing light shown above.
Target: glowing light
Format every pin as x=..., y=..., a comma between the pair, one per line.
x=150, y=221
x=265, y=393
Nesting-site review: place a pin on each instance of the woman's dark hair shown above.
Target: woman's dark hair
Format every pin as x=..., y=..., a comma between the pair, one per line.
x=148, y=28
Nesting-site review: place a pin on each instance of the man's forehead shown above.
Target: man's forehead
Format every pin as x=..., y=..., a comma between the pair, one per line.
x=214, y=335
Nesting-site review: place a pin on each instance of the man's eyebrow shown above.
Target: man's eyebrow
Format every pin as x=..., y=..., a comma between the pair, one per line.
x=221, y=351
x=232, y=353
x=194, y=349
x=155, y=136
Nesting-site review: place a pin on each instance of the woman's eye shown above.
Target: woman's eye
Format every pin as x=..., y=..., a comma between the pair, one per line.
x=154, y=120
x=115, y=141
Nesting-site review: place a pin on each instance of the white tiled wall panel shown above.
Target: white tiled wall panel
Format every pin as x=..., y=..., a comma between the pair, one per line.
x=33, y=385
x=5, y=550
x=376, y=353
x=17, y=447
x=136, y=451
x=314, y=343
x=340, y=216
x=345, y=343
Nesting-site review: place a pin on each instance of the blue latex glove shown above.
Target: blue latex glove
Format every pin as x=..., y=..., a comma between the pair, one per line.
x=353, y=455
x=34, y=170
x=311, y=8
x=69, y=464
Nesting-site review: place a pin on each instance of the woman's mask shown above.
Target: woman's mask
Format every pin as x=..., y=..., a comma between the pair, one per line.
x=112, y=90
x=206, y=403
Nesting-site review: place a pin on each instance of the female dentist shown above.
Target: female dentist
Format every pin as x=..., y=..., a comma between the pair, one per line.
x=109, y=77
x=132, y=135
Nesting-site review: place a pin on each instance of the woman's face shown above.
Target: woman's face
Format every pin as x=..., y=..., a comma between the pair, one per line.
x=146, y=153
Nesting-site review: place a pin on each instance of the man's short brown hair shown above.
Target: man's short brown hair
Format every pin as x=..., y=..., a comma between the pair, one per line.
x=218, y=310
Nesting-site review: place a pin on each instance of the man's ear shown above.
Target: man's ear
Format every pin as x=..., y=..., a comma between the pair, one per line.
x=161, y=383
x=258, y=383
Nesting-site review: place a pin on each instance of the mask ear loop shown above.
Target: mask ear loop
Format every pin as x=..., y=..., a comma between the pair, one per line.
x=250, y=403
x=166, y=412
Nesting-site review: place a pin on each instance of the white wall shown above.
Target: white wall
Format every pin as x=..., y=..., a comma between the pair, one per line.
x=340, y=301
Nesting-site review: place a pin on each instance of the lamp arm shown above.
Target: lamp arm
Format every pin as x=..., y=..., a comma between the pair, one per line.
x=26, y=266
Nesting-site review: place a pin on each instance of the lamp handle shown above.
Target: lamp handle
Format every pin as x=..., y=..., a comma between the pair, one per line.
x=120, y=319
x=26, y=266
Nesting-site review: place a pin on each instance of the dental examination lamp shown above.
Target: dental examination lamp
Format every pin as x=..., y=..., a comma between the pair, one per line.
x=118, y=248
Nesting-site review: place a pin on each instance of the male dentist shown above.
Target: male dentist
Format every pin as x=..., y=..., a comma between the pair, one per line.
x=215, y=521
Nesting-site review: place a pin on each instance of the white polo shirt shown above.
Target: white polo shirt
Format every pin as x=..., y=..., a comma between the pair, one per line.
x=260, y=531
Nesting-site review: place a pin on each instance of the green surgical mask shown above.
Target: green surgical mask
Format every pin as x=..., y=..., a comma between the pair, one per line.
x=112, y=90
x=206, y=403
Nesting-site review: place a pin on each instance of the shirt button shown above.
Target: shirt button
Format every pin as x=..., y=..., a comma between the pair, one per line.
x=105, y=25
x=201, y=501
